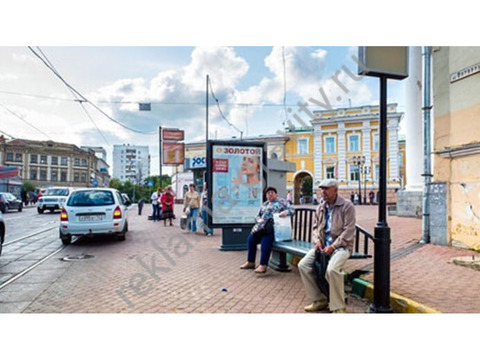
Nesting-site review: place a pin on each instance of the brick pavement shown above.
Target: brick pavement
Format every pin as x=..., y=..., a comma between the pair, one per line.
x=165, y=270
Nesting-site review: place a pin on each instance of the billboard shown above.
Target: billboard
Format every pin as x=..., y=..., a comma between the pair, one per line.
x=173, y=134
x=173, y=153
x=236, y=171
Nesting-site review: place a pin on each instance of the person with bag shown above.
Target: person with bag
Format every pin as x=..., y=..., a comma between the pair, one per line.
x=204, y=212
x=334, y=235
x=191, y=204
x=155, y=197
x=262, y=232
x=167, y=200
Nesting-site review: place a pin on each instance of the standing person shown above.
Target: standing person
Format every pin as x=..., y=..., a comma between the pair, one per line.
x=289, y=197
x=192, y=201
x=334, y=234
x=271, y=206
x=204, y=211
x=371, y=195
x=140, y=206
x=155, y=197
x=167, y=201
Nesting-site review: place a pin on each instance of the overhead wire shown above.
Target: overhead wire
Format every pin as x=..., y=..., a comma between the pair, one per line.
x=220, y=110
x=25, y=121
x=83, y=98
x=77, y=98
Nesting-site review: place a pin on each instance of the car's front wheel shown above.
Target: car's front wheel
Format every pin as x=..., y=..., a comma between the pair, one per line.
x=40, y=211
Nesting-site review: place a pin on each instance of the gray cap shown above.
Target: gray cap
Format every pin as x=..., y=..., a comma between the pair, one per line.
x=328, y=183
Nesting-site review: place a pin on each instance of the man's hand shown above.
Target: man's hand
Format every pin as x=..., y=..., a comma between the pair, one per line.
x=329, y=250
x=318, y=246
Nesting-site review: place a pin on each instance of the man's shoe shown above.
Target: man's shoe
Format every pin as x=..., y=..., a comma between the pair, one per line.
x=317, y=306
x=339, y=311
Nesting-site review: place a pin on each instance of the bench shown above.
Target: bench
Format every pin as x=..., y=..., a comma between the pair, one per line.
x=302, y=222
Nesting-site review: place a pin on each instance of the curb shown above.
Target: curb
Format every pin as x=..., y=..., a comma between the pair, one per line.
x=400, y=304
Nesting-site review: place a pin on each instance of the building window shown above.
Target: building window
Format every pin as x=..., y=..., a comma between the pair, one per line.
x=54, y=160
x=330, y=172
x=76, y=162
x=84, y=162
x=76, y=177
x=18, y=157
x=63, y=176
x=84, y=178
x=33, y=159
x=376, y=142
x=43, y=175
x=43, y=159
x=54, y=175
x=376, y=174
x=33, y=174
x=64, y=161
x=9, y=156
x=330, y=144
x=353, y=143
x=354, y=173
x=302, y=146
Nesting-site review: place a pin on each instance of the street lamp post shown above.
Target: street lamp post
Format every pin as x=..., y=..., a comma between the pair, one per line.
x=359, y=161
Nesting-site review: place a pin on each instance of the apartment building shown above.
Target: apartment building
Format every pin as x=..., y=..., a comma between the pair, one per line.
x=131, y=163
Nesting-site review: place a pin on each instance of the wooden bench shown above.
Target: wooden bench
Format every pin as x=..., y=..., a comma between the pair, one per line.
x=302, y=222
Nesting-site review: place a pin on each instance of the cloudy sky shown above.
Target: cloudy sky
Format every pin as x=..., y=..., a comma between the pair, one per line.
x=91, y=95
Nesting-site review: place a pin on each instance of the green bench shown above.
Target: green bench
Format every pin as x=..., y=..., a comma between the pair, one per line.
x=301, y=242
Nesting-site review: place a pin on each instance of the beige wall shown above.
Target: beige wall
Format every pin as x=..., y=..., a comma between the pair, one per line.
x=457, y=141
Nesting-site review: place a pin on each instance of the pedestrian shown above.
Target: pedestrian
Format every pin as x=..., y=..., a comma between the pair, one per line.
x=141, y=202
x=333, y=233
x=192, y=203
x=371, y=195
x=289, y=197
x=204, y=211
x=154, y=198
x=167, y=201
x=265, y=238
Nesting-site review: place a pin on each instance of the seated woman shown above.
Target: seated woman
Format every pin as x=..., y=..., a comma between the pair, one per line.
x=265, y=239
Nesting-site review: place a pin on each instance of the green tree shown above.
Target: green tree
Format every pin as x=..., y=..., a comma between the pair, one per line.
x=28, y=186
x=307, y=186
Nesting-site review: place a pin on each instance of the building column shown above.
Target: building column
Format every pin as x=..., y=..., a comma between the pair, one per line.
x=409, y=200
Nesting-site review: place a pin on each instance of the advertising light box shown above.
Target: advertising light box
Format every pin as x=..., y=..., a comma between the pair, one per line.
x=236, y=172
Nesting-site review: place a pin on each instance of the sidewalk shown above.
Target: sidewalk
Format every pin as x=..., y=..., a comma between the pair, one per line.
x=423, y=279
x=162, y=269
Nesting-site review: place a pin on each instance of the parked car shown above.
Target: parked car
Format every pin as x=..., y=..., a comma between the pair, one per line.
x=53, y=199
x=2, y=232
x=93, y=211
x=8, y=201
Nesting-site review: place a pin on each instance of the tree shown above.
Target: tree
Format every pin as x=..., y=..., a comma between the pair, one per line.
x=28, y=186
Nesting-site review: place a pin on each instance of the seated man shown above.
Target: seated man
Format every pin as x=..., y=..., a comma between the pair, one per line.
x=334, y=234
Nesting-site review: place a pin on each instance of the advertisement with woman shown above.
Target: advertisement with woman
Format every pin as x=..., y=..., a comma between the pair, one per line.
x=237, y=182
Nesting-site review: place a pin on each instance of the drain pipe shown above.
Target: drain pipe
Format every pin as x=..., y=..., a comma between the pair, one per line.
x=427, y=107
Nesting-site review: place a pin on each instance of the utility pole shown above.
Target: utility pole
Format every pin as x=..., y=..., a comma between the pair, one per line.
x=160, y=155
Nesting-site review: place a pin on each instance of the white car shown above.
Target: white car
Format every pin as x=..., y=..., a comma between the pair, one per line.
x=53, y=199
x=93, y=211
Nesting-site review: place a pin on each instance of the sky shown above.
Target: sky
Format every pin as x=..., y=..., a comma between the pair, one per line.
x=252, y=91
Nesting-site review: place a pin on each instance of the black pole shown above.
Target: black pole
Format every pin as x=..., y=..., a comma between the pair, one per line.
x=381, y=265
x=359, y=181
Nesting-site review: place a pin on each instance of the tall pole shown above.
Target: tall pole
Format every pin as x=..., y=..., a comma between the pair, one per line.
x=426, y=145
x=206, y=110
x=160, y=155
x=381, y=266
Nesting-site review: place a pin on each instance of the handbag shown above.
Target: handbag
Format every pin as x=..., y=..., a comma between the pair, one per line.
x=320, y=268
x=262, y=227
x=187, y=210
x=282, y=227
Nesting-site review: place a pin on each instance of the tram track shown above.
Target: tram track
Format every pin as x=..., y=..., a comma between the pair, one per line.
x=31, y=267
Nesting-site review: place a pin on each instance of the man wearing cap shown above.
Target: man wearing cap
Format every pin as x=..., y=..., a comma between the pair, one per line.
x=333, y=233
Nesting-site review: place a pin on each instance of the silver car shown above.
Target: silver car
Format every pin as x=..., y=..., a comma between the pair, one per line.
x=93, y=211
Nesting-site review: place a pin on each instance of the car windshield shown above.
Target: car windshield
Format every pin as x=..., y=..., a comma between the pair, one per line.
x=91, y=198
x=56, y=192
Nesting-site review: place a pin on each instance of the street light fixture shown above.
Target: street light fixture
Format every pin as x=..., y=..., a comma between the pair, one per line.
x=359, y=161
